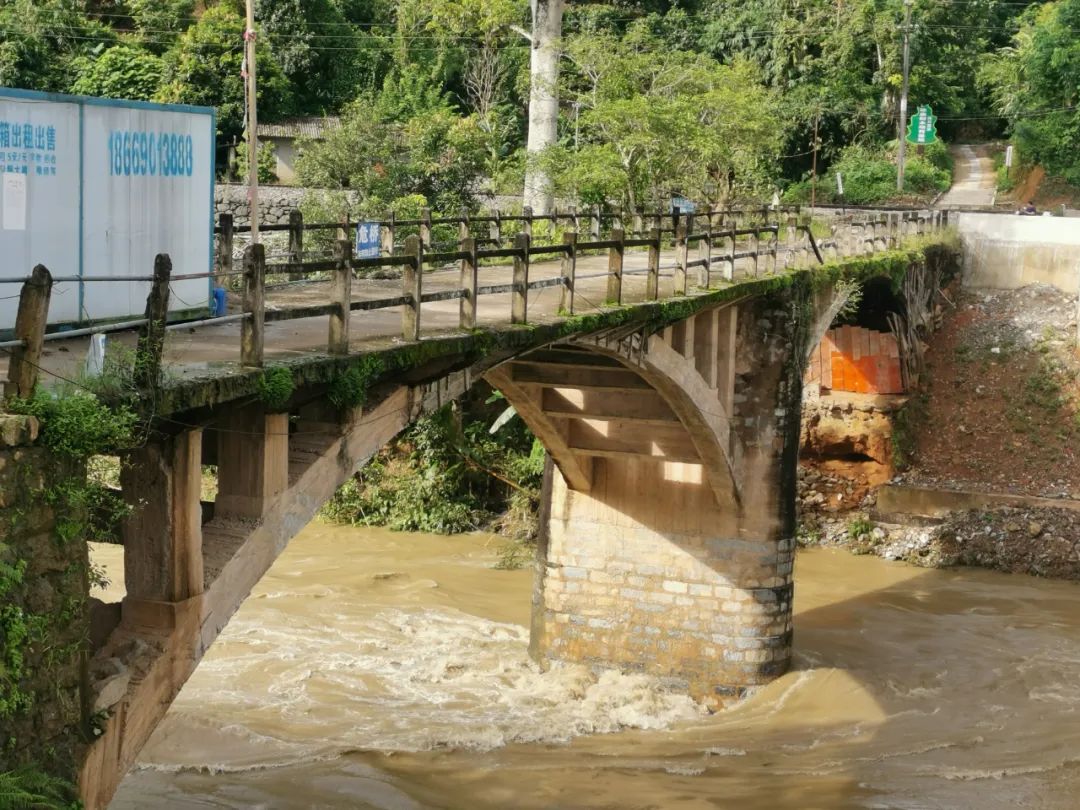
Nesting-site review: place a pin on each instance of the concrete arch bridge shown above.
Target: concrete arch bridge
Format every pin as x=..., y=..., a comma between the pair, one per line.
x=668, y=515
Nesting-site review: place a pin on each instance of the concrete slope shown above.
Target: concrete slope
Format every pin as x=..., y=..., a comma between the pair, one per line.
x=974, y=179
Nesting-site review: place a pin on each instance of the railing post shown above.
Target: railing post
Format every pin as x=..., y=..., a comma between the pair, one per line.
x=756, y=248
x=519, y=297
x=652, y=280
x=296, y=238
x=774, y=239
x=464, y=229
x=682, y=246
x=341, y=296
x=615, y=267
x=527, y=221
x=469, y=281
x=495, y=229
x=30, y=323
x=854, y=234
x=706, y=254
x=386, y=236
x=251, y=328
x=617, y=219
x=224, y=249
x=729, y=273
x=789, y=239
x=412, y=274
x=595, y=227
x=151, y=343
x=569, y=272
x=343, y=227
x=425, y=229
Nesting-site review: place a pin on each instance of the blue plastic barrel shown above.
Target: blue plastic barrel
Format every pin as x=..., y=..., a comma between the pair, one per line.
x=219, y=302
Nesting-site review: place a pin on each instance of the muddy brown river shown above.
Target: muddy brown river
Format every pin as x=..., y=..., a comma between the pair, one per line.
x=379, y=670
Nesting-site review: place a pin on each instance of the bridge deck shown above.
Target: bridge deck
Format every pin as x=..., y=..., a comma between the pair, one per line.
x=210, y=349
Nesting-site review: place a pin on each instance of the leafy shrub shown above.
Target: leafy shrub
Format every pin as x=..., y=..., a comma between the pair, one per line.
x=78, y=425
x=350, y=389
x=275, y=388
x=870, y=176
x=446, y=474
x=29, y=788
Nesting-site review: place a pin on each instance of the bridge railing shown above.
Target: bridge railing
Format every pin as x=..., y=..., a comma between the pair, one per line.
x=761, y=247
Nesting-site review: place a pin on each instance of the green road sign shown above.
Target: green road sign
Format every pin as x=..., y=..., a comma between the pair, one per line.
x=921, y=130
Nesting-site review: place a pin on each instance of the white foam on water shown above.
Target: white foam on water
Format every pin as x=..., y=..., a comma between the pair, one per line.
x=303, y=687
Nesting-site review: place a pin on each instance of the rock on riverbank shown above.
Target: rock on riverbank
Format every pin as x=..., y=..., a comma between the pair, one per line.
x=1038, y=541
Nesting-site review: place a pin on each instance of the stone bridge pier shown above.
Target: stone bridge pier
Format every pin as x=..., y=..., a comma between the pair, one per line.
x=668, y=513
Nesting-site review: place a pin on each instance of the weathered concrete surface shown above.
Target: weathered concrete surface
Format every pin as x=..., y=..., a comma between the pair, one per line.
x=900, y=500
x=655, y=567
x=700, y=411
x=160, y=641
x=1007, y=251
x=216, y=349
x=974, y=179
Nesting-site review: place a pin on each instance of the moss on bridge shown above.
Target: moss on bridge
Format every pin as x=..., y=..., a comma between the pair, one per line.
x=346, y=380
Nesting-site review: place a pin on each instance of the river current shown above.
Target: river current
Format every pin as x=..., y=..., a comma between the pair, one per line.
x=377, y=670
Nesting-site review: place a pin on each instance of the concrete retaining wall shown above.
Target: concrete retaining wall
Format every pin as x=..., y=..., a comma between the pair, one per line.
x=1004, y=251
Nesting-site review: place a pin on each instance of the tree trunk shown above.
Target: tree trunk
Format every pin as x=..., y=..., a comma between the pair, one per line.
x=543, y=99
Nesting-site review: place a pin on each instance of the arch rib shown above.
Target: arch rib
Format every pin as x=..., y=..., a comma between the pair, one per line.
x=552, y=433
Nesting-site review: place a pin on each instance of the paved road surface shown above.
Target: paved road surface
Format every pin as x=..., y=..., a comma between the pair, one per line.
x=974, y=179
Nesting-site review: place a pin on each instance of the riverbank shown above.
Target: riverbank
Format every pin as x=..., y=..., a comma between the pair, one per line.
x=999, y=412
x=1043, y=542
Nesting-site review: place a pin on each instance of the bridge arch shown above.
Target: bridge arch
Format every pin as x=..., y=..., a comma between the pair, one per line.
x=631, y=396
x=666, y=545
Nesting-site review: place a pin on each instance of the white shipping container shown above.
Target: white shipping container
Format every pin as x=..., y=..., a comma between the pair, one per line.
x=96, y=187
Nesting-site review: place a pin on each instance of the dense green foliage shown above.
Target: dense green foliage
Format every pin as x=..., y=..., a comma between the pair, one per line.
x=77, y=425
x=275, y=388
x=1035, y=84
x=708, y=98
x=447, y=473
x=869, y=176
x=29, y=789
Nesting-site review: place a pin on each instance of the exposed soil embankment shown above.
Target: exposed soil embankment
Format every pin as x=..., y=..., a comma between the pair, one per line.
x=999, y=413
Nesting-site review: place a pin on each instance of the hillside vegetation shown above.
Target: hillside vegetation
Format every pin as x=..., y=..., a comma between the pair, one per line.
x=709, y=98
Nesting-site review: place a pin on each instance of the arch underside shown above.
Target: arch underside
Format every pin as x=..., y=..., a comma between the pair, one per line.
x=619, y=394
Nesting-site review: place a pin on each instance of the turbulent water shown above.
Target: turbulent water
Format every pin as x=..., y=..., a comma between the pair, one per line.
x=379, y=670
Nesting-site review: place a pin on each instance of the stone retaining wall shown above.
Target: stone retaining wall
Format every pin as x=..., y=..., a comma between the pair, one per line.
x=275, y=203
x=43, y=585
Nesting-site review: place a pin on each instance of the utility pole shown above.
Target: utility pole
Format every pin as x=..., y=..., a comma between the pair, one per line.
x=813, y=169
x=252, y=121
x=903, y=96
